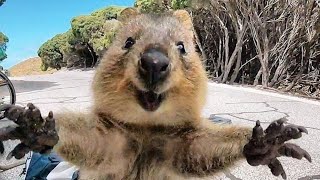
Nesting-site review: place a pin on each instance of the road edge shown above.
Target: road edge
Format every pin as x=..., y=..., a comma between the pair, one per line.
x=263, y=92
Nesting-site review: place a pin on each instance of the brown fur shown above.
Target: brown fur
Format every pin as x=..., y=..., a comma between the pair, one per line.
x=121, y=140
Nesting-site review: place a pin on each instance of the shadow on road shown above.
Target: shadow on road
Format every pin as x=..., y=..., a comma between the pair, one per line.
x=26, y=86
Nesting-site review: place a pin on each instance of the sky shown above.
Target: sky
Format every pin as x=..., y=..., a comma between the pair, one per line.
x=30, y=23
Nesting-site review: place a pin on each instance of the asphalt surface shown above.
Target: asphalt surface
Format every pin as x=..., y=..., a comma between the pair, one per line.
x=71, y=90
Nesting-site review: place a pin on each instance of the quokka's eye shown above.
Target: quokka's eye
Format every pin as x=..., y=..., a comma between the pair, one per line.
x=129, y=43
x=181, y=48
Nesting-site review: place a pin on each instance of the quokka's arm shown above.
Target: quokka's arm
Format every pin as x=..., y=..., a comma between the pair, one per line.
x=98, y=151
x=75, y=136
x=215, y=147
x=210, y=148
x=80, y=139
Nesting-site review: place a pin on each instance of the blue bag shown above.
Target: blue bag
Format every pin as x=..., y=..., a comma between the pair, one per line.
x=41, y=165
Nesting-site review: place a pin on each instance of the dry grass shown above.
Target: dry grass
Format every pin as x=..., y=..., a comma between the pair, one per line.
x=29, y=67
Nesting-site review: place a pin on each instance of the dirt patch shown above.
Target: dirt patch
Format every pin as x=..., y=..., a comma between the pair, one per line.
x=29, y=67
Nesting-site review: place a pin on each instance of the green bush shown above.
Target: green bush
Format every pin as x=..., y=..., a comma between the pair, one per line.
x=85, y=27
x=51, y=52
x=154, y=6
x=1, y=2
x=158, y=6
x=180, y=4
x=3, y=38
x=3, y=46
x=111, y=12
x=88, y=37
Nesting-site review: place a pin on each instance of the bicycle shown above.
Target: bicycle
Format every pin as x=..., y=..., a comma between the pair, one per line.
x=7, y=96
x=7, y=91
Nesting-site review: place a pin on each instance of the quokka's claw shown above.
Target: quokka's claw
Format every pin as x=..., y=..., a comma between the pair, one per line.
x=264, y=148
x=31, y=106
x=295, y=151
x=12, y=112
x=291, y=132
x=50, y=115
x=257, y=132
x=275, y=128
x=34, y=132
x=19, y=151
x=5, y=107
x=277, y=168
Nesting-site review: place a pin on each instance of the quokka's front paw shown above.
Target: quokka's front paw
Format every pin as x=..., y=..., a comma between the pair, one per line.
x=34, y=132
x=266, y=145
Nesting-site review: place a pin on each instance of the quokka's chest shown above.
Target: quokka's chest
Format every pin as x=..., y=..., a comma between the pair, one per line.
x=152, y=158
x=149, y=150
x=153, y=144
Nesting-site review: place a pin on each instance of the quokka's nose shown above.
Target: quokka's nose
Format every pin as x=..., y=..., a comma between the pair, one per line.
x=154, y=66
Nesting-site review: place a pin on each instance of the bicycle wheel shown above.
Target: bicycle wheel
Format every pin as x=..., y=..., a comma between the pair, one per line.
x=7, y=91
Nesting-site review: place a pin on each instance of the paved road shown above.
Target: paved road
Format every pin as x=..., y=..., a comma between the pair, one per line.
x=71, y=90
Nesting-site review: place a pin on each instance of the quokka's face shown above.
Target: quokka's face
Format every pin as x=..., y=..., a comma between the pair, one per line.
x=156, y=51
x=153, y=66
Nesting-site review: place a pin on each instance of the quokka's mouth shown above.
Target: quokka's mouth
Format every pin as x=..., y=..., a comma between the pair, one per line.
x=150, y=100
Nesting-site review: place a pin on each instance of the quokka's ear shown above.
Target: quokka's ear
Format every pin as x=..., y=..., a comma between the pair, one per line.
x=184, y=17
x=128, y=13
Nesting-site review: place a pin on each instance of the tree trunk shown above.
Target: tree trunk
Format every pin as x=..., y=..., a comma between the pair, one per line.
x=256, y=79
x=237, y=68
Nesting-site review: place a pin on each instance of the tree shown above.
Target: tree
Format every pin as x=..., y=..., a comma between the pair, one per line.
x=51, y=52
x=157, y=6
x=154, y=6
x=108, y=13
x=3, y=41
x=270, y=43
x=84, y=43
x=92, y=34
x=3, y=46
x=1, y=2
x=180, y=4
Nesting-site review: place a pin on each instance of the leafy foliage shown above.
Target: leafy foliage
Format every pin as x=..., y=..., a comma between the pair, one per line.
x=3, y=46
x=3, y=41
x=3, y=38
x=108, y=13
x=180, y=4
x=1, y=2
x=157, y=6
x=154, y=6
x=51, y=52
x=84, y=43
